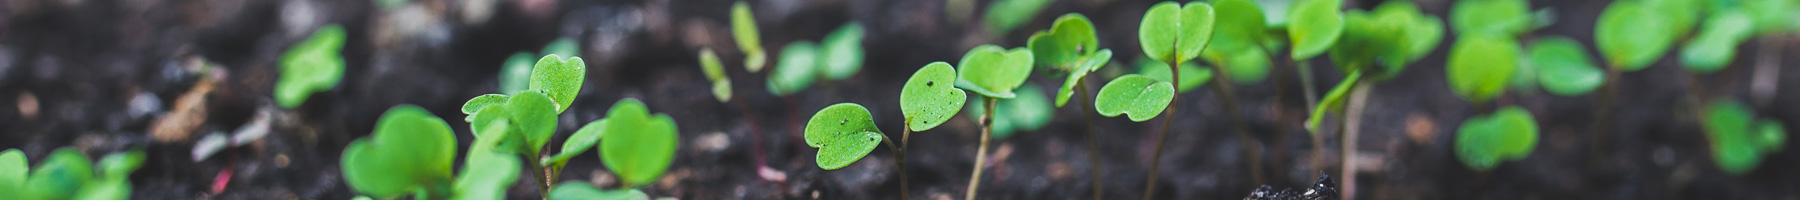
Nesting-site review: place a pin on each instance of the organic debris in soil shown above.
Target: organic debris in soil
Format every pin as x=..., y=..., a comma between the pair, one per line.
x=1321, y=189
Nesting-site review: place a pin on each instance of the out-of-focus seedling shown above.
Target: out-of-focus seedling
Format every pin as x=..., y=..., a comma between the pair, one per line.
x=1738, y=139
x=1480, y=66
x=515, y=74
x=411, y=152
x=635, y=145
x=1238, y=51
x=311, y=66
x=1376, y=46
x=1497, y=17
x=1632, y=34
x=1563, y=67
x=715, y=72
x=1071, y=47
x=1171, y=33
x=1005, y=15
x=795, y=70
x=841, y=53
x=993, y=73
x=1485, y=141
x=67, y=174
x=743, y=28
x=1717, y=42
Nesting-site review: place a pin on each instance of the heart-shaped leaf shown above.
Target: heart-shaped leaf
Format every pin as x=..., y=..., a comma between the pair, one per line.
x=1480, y=66
x=991, y=71
x=929, y=98
x=1563, y=67
x=311, y=66
x=796, y=69
x=60, y=175
x=1192, y=76
x=1139, y=97
x=1738, y=139
x=533, y=117
x=561, y=79
x=638, y=147
x=1313, y=26
x=1484, y=141
x=515, y=75
x=1632, y=35
x=743, y=28
x=842, y=52
x=409, y=149
x=1069, y=39
x=1093, y=63
x=843, y=133
x=577, y=190
x=1717, y=43
x=1504, y=18
x=1172, y=32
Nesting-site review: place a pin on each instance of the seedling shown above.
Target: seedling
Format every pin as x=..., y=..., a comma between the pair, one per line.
x=67, y=174
x=1563, y=67
x=743, y=28
x=515, y=75
x=1632, y=34
x=715, y=72
x=638, y=147
x=1313, y=26
x=529, y=117
x=411, y=152
x=1005, y=15
x=993, y=73
x=1485, y=141
x=1393, y=35
x=846, y=132
x=1238, y=52
x=1717, y=43
x=1496, y=17
x=841, y=53
x=311, y=66
x=1171, y=33
x=1738, y=139
x=1480, y=66
x=1071, y=47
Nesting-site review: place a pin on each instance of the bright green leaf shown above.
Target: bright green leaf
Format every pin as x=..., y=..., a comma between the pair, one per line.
x=1480, y=66
x=533, y=117
x=1240, y=29
x=1475, y=144
x=576, y=190
x=1517, y=132
x=1504, y=18
x=1092, y=63
x=1139, y=97
x=409, y=149
x=1631, y=35
x=475, y=104
x=14, y=170
x=1728, y=125
x=709, y=63
x=991, y=71
x=1064, y=45
x=561, y=79
x=1484, y=141
x=796, y=69
x=1005, y=15
x=1563, y=67
x=1314, y=25
x=1170, y=32
x=638, y=147
x=929, y=98
x=583, y=139
x=60, y=175
x=1717, y=44
x=843, y=133
x=515, y=75
x=486, y=175
x=311, y=66
x=842, y=52
x=743, y=28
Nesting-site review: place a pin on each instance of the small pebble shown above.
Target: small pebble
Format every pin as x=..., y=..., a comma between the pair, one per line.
x=28, y=106
x=1420, y=128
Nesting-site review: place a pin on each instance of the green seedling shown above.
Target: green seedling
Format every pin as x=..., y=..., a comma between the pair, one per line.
x=1496, y=17
x=411, y=152
x=838, y=58
x=841, y=53
x=1738, y=139
x=1138, y=97
x=846, y=132
x=67, y=174
x=1717, y=43
x=993, y=73
x=1238, y=51
x=1313, y=26
x=1070, y=46
x=796, y=69
x=1632, y=34
x=1170, y=33
x=1563, y=67
x=1005, y=15
x=1480, y=66
x=528, y=118
x=515, y=75
x=743, y=28
x=635, y=145
x=1394, y=35
x=715, y=72
x=311, y=66
x=1485, y=141
x=1028, y=111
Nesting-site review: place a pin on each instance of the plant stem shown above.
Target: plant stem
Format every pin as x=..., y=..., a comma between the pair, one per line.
x=756, y=143
x=1222, y=86
x=1359, y=97
x=1092, y=138
x=1603, y=115
x=1156, y=157
x=538, y=169
x=900, y=157
x=987, y=127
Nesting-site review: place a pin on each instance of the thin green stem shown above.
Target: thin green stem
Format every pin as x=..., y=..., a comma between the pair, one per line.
x=538, y=169
x=1092, y=138
x=1156, y=157
x=1603, y=115
x=987, y=127
x=900, y=157
x=1359, y=97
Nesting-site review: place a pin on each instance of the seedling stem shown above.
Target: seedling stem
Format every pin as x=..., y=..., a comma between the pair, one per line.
x=987, y=127
x=1092, y=138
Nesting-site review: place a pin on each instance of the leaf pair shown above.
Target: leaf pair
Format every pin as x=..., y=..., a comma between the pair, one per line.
x=67, y=174
x=311, y=66
x=715, y=72
x=992, y=71
x=1175, y=33
x=1069, y=46
x=1485, y=141
x=803, y=61
x=411, y=151
x=929, y=98
x=1313, y=26
x=1738, y=139
x=1563, y=67
x=638, y=147
x=1633, y=34
x=1394, y=35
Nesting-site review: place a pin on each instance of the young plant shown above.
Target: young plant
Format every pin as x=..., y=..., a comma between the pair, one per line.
x=1563, y=67
x=67, y=174
x=993, y=73
x=743, y=28
x=1485, y=141
x=1393, y=35
x=846, y=132
x=411, y=152
x=637, y=146
x=311, y=66
x=1171, y=33
x=530, y=116
x=1070, y=46
x=1738, y=139
x=1005, y=15
x=515, y=74
x=1480, y=66
x=803, y=62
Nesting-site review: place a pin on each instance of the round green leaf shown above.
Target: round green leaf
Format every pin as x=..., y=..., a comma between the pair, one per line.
x=533, y=117
x=1516, y=130
x=1313, y=26
x=1631, y=35
x=1503, y=18
x=1192, y=76
x=930, y=98
x=638, y=147
x=558, y=78
x=842, y=52
x=1563, y=67
x=1069, y=39
x=576, y=190
x=1475, y=144
x=1170, y=32
x=1729, y=126
x=743, y=28
x=1139, y=97
x=409, y=149
x=795, y=71
x=311, y=66
x=991, y=71
x=1480, y=66
x=515, y=75
x=844, y=133
x=1717, y=43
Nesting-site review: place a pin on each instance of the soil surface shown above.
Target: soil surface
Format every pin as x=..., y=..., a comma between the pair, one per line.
x=99, y=76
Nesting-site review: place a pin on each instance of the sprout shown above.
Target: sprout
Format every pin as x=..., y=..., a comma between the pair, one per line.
x=1175, y=33
x=841, y=53
x=558, y=78
x=1313, y=26
x=1631, y=34
x=1563, y=67
x=1480, y=66
x=311, y=66
x=1238, y=50
x=639, y=147
x=796, y=70
x=1738, y=139
x=993, y=72
x=1069, y=46
x=67, y=174
x=1026, y=112
x=411, y=150
x=1717, y=43
x=715, y=72
x=928, y=98
x=1484, y=141
x=743, y=27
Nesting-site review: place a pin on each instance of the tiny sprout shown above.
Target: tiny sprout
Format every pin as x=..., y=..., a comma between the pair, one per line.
x=743, y=27
x=1485, y=141
x=1139, y=97
x=1069, y=46
x=638, y=147
x=311, y=66
x=715, y=72
x=559, y=78
x=1738, y=140
x=843, y=133
x=1632, y=34
x=1480, y=66
x=1563, y=67
x=1394, y=33
x=841, y=52
x=1313, y=26
x=926, y=100
x=796, y=69
x=993, y=72
x=1175, y=33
